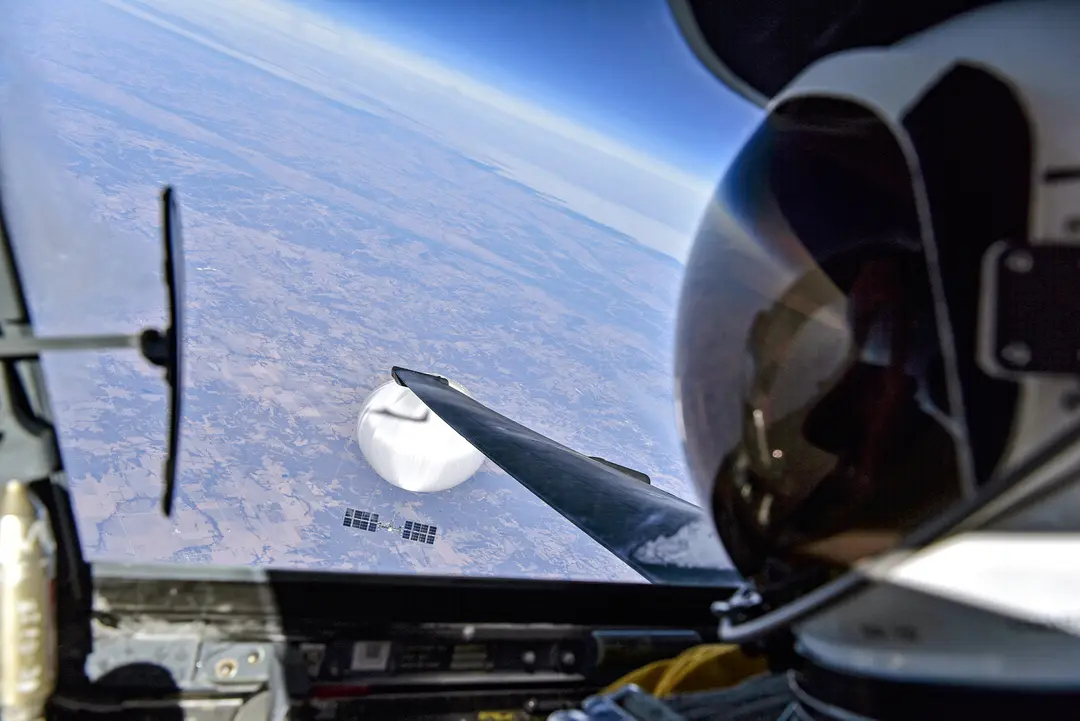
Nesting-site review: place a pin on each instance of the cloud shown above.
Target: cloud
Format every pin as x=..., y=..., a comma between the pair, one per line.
x=695, y=545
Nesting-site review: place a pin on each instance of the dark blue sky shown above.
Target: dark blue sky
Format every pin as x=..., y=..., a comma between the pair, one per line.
x=619, y=66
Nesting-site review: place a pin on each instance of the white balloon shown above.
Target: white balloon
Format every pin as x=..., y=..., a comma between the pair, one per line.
x=411, y=447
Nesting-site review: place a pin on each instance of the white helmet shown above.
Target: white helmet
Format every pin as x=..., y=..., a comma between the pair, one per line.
x=879, y=342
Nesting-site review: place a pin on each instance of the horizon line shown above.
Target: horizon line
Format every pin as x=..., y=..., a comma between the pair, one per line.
x=293, y=20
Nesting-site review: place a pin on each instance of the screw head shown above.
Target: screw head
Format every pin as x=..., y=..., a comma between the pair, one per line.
x=1016, y=353
x=225, y=668
x=1019, y=261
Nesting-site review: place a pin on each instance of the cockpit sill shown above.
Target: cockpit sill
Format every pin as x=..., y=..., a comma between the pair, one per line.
x=159, y=638
x=320, y=597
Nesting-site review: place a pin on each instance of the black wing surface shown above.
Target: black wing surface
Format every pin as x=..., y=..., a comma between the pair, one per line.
x=654, y=532
x=643, y=477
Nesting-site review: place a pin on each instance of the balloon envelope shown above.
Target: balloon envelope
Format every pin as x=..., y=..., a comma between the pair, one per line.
x=411, y=447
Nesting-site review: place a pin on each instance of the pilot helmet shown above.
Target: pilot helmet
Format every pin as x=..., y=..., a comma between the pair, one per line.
x=877, y=348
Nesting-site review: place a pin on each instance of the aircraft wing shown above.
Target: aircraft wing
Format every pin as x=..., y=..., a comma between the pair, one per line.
x=659, y=535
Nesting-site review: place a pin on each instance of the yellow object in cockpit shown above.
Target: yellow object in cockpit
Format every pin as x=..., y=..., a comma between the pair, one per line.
x=703, y=668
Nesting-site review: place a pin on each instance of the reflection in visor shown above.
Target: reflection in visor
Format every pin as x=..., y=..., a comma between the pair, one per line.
x=825, y=446
x=840, y=447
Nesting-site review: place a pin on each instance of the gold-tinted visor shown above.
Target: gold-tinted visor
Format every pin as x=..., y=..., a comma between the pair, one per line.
x=810, y=368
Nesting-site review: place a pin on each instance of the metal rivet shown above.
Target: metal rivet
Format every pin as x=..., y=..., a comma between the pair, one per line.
x=254, y=657
x=226, y=668
x=1019, y=261
x=1018, y=354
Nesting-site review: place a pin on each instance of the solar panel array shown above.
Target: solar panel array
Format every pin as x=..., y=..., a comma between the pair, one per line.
x=364, y=520
x=418, y=532
x=369, y=521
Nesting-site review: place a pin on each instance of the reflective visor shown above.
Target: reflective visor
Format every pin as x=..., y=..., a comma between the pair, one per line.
x=810, y=372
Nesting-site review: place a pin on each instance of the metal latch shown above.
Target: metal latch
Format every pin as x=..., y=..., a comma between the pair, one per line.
x=1030, y=310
